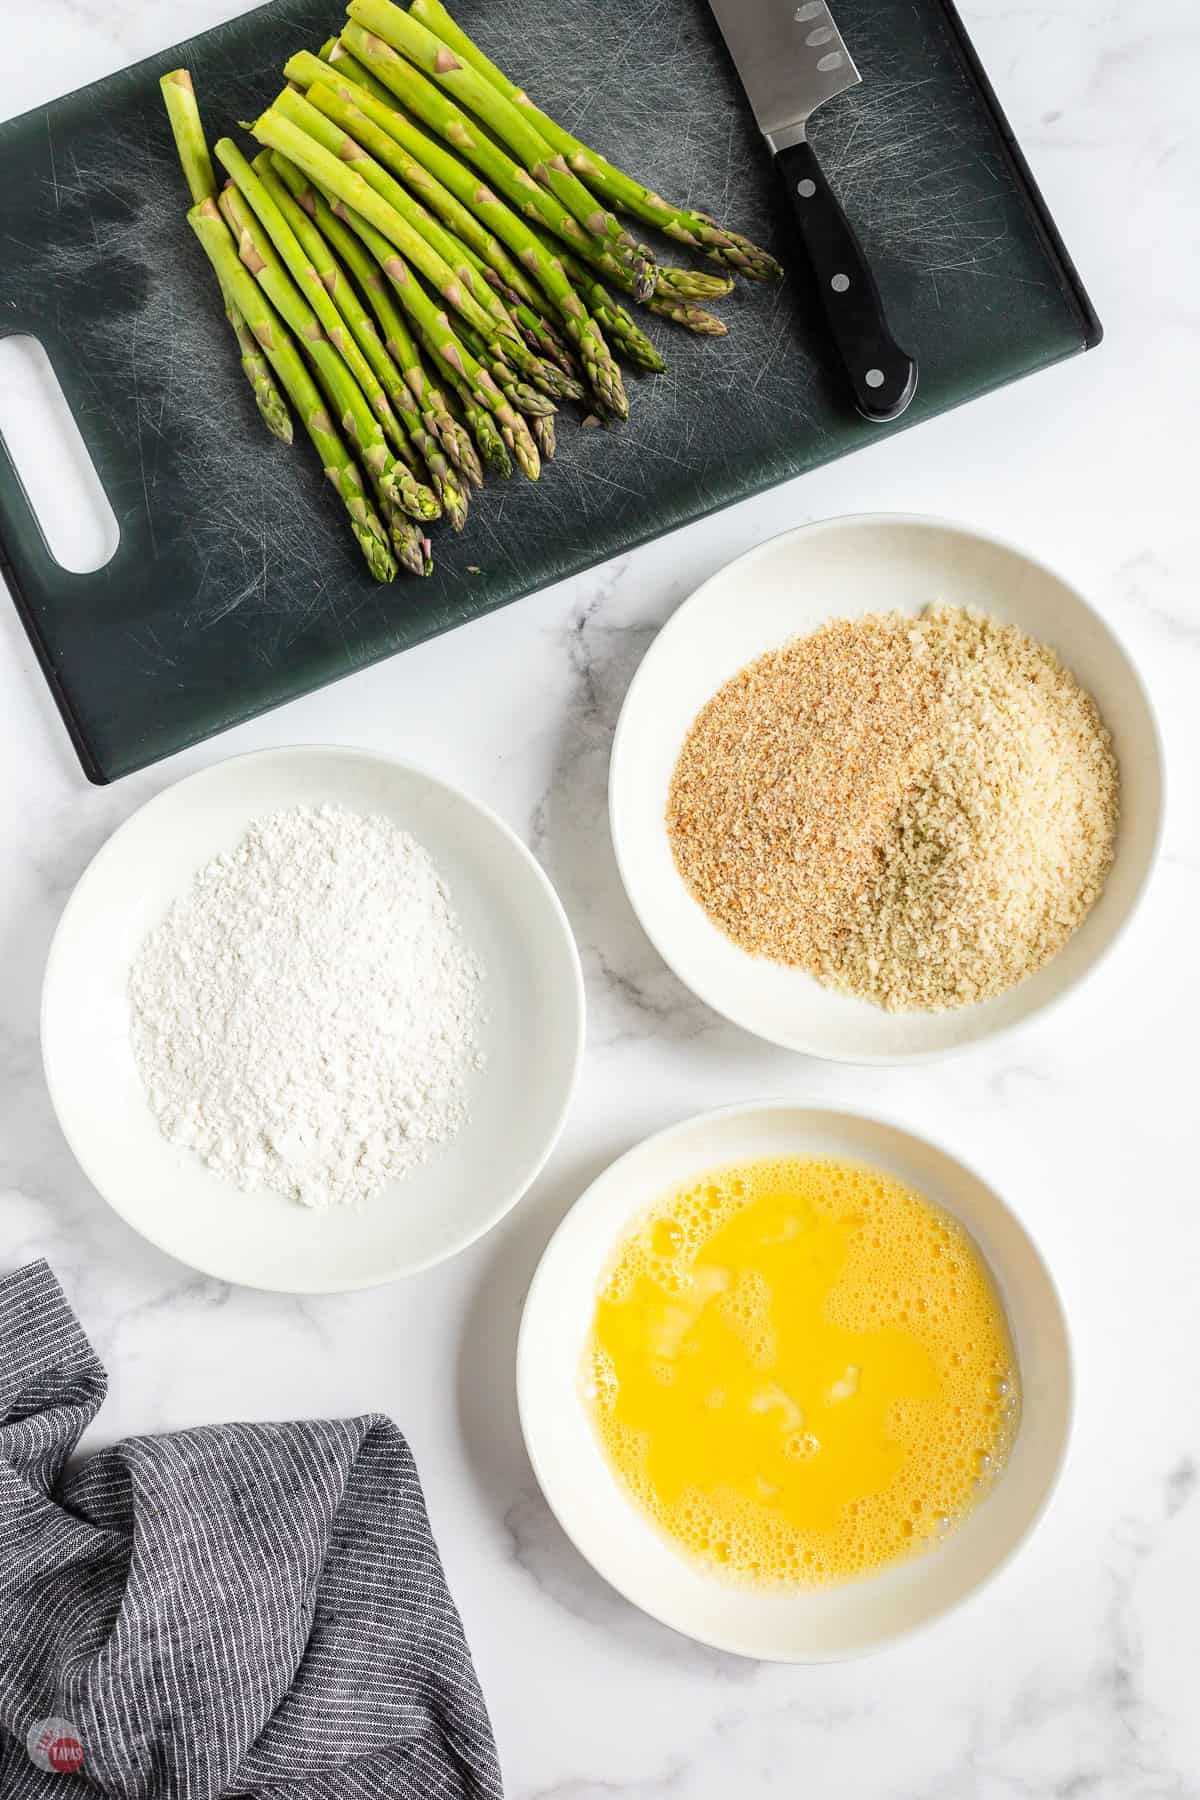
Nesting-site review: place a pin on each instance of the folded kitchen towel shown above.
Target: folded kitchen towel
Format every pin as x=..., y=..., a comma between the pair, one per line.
x=235, y=1610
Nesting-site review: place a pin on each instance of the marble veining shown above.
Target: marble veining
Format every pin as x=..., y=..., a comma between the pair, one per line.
x=1073, y=1675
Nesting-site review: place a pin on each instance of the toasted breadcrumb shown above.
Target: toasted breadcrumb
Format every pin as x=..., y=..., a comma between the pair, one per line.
x=917, y=811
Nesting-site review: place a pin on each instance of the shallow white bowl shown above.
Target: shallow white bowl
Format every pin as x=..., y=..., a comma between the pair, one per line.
x=783, y=589
x=518, y=1104
x=819, y=1625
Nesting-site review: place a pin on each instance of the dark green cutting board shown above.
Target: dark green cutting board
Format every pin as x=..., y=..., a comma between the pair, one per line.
x=236, y=587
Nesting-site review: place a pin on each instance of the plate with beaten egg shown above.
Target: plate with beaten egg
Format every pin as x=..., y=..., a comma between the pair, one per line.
x=794, y=1380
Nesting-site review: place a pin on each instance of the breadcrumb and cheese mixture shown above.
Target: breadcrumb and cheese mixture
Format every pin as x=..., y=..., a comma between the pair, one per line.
x=918, y=811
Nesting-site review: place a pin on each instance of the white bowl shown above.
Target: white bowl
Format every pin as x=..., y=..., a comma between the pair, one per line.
x=533, y=1036
x=813, y=1625
x=786, y=588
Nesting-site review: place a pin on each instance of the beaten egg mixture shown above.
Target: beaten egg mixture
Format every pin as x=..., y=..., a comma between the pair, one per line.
x=801, y=1370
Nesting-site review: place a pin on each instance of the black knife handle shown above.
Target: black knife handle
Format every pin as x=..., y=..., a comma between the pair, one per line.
x=883, y=376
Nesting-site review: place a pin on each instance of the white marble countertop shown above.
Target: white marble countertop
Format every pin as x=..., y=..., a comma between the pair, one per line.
x=1074, y=1673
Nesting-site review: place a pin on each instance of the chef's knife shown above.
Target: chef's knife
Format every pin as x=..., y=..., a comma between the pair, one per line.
x=790, y=56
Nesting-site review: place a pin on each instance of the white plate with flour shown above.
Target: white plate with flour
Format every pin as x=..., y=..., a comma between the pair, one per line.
x=524, y=1016
x=787, y=588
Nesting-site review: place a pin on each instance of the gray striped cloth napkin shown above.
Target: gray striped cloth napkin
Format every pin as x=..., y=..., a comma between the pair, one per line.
x=236, y=1610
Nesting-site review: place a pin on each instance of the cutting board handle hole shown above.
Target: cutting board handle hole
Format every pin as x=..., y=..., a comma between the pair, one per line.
x=58, y=475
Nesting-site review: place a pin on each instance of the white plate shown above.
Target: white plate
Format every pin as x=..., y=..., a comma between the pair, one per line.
x=819, y=1625
x=785, y=588
x=533, y=1038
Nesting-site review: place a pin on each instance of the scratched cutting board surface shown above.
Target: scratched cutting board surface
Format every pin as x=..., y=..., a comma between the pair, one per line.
x=236, y=587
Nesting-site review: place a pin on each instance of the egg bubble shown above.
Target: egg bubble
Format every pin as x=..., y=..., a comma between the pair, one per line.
x=666, y=1236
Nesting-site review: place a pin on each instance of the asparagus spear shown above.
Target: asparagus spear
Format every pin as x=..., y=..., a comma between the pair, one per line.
x=272, y=334
x=536, y=329
x=671, y=298
x=344, y=129
x=436, y=333
x=511, y=125
x=339, y=59
x=621, y=328
x=482, y=427
x=532, y=323
x=438, y=418
x=474, y=242
x=686, y=313
x=533, y=330
x=399, y=342
x=468, y=139
x=418, y=500
x=270, y=402
x=694, y=284
x=524, y=398
x=352, y=257
x=308, y=279
x=601, y=371
x=687, y=226
x=334, y=173
x=360, y=424
x=436, y=413
x=478, y=304
x=674, y=285
x=179, y=97
x=547, y=438
x=320, y=81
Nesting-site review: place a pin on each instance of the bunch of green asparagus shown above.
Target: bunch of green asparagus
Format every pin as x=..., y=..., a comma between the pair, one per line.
x=426, y=266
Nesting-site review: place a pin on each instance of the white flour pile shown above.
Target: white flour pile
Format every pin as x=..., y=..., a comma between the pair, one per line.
x=307, y=1018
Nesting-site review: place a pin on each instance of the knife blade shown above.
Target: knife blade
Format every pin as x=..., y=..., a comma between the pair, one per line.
x=791, y=58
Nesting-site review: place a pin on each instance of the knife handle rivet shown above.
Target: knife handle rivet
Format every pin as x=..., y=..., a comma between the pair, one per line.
x=806, y=188
x=874, y=378
x=840, y=283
